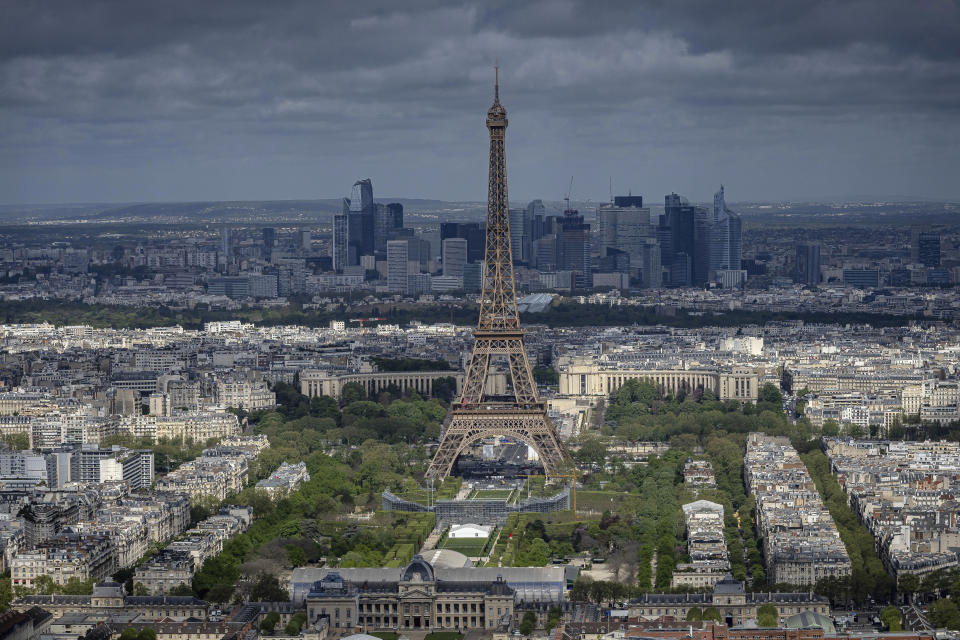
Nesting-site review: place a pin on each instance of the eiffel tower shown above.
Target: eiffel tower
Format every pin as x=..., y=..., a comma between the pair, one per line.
x=498, y=335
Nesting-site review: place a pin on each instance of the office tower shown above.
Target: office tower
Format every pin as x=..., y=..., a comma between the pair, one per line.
x=454, y=256
x=676, y=234
x=536, y=214
x=573, y=248
x=269, y=237
x=306, y=240
x=397, y=269
x=225, y=242
x=432, y=235
x=469, y=231
x=473, y=276
x=544, y=252
x=383, y=225
x=396, y=209
x=925, y=247
x=362, y=224
x=728, y=234
x=808, y=264
x=651, y=271
x=862, y=278
x=717, y=240
x=262, y=285
x=624, y=225
x=341, y=238
x=362, y=195
x=519, y=237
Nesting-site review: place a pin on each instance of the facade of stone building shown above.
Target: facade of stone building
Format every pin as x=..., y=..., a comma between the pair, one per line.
x=731, y=599
x=419, y=600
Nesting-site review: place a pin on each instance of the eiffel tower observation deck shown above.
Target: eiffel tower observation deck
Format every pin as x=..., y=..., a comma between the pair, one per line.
x=521, y=414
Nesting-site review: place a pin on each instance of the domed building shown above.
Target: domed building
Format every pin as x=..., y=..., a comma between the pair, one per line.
x=416, y=599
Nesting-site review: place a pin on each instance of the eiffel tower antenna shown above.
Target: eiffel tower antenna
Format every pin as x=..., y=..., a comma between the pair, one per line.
x=522, y=414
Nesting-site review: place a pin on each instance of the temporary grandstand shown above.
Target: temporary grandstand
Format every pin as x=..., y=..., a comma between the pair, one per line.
x=495, y=512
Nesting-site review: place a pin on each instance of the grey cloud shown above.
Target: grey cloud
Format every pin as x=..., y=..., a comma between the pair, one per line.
x=290, y=99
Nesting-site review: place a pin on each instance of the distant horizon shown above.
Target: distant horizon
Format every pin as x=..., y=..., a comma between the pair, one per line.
x=847, y=199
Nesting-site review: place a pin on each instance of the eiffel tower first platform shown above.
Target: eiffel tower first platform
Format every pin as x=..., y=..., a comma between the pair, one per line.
x=521, y=415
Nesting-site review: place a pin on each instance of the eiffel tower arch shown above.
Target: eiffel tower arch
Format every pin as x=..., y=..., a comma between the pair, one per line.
x=498, y=336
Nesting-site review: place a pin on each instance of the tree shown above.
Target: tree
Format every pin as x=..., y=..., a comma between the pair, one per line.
x=767, y=615
x=147, y=633
x=909, y=584
x=45, y=585
x=352, y=392
x=6, y=594
x=128, y=634
x=140, y=590
x=269, y=622
x=296, y=556
x=267, y=589
x=181, y=589
x=830, y=428
x=770, y=393
x=592, y=452
x=694, y=614
x=527, y=623
x=296, y=623
x=890, y=617
x=711, y=613
x=220, y=593
x=944, y=613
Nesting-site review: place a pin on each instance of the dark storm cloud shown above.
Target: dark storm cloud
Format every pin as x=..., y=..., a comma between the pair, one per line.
x=144, y=100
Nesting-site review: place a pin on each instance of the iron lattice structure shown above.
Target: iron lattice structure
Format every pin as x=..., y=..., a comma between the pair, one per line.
x=522, y=415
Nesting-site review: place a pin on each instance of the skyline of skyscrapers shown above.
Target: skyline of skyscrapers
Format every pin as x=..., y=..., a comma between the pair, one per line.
x=363, y=227
x=685, y=245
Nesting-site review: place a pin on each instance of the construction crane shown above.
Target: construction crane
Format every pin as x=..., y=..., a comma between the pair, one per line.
x=573, y=485
x=567, y=198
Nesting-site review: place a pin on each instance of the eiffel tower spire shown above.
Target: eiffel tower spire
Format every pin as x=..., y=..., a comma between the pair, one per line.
x=498, y=336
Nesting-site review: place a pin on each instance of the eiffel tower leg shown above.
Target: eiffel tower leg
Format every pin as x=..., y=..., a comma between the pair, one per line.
x=532, y=427
x=524, y=387
x=476, y=378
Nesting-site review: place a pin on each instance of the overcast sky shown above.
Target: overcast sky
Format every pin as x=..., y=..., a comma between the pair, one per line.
x=104, y=101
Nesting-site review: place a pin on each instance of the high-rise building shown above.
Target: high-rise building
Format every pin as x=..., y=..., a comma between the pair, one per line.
x=472, y=232
x=306, y=240
x=676, y=236
x=454, y=256
x=717, y=240
x=544, y=252
x=396, y=209
x=624, y=225
x=862, y=278
x=573, y=248
x=651, y=271
x=925, y=247
x=519, y=236
x=388, y=218
x=808, y=264
x=397, y=266
x=382, y=225
x=362, y=220
x=536, y=216
x=341, y=239
x=225, y=242
x=269, y=237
